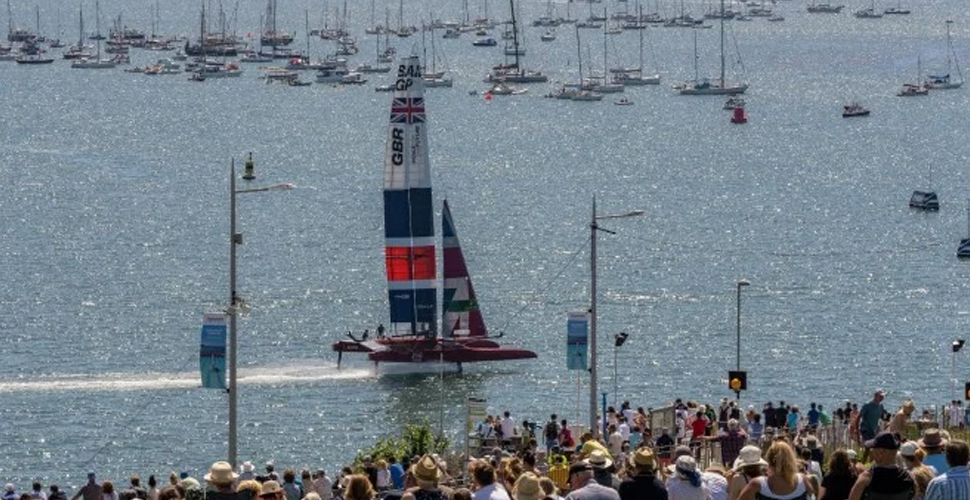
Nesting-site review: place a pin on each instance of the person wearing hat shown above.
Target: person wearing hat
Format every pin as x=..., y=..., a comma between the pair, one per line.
x=955, y=482
x=247, y=471
x=685, y=483
x=910, y=456
x=527, y=487
x=426, y=475
x=748, y=466
x=271, y=490
x=221, y=478
x=584, y=487
x=643, y=483
x=932, y=443
x=732, y=440
x=485, y=485
x=885, y=480
x=602, y=467
x=90, y=491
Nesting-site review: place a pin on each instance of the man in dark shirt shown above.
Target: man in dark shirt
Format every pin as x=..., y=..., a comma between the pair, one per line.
x=370, y=470
x=885, y=480
x=769, y=414
x=644, y=484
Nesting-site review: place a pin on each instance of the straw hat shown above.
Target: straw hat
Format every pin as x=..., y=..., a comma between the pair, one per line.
x=221, y=473
x=644, y=457
x=750, y=455
x=597, y=459
x=270, y=487
x=426, y=469
x=527, y=487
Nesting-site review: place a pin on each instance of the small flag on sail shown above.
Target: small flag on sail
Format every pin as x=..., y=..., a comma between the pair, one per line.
x=577, y=336
x=212, y=354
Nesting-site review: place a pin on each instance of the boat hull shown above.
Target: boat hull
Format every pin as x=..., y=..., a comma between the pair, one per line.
x=423, y=350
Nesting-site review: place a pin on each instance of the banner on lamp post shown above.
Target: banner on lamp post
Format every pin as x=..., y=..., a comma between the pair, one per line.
x=212, y=351
x=577, y=340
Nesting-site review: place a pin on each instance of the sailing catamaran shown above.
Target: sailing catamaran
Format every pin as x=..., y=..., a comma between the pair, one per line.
x=707, y=87
x=413, y=336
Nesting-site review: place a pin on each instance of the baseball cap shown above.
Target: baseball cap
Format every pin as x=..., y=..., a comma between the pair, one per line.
x=884, y=440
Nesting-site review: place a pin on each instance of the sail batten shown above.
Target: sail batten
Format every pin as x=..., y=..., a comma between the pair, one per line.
x=408, y=209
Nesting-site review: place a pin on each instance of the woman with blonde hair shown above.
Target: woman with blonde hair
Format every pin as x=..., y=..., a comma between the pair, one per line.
x=783, y=481
x=359, y=488
x=922, y=475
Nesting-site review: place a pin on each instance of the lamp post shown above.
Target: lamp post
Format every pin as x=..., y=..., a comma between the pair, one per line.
x=741, y=283
x=593, y=228
x=236, y=239
x=618, y=340
x=956, y=346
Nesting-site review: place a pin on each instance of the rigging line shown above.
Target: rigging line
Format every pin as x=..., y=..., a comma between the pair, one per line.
x=529, y=301
x=151, y=400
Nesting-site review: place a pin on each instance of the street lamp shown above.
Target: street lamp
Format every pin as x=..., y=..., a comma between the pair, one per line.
x=236, y=239
x=593, y=228
x=618, y=340
x=956, y=346
x=741, y=282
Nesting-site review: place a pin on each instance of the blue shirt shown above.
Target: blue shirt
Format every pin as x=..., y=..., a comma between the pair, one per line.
x=397, y=475
x=793, y=420
x=869, y=416
x=813, y=417
x=953, y=484
x=936, y=461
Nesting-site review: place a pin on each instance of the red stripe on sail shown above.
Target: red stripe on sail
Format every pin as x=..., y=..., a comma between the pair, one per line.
x=410, y=263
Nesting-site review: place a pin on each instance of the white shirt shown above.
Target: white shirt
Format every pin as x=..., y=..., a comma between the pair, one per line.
x=717, y=484
x=491, y=492
x=616, y=443
x=624, y=431
x=628, y=413
x=508, y=427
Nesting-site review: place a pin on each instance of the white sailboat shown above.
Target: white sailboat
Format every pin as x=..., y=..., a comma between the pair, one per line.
x=946, y=81
x=915, y=89
x=635, y=77
x=97, y=62
x=707, y=87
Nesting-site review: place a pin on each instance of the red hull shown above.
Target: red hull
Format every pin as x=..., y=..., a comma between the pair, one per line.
x=415, y=350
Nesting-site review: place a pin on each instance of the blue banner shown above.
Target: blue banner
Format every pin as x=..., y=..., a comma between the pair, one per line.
x=577, y=337
x=212, y=352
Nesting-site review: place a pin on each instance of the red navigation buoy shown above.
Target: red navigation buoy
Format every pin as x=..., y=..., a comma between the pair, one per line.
x=488, y=96
x=739, y=116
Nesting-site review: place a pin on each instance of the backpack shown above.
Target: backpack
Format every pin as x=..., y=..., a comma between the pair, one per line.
x=551, y=431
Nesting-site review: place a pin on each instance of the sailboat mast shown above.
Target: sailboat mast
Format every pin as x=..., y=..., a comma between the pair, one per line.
x=515, y=36
x=606, y=25
x=640, y=29
x=97, y=24
x=722, y=44
x=306, y=21
x=579, y=56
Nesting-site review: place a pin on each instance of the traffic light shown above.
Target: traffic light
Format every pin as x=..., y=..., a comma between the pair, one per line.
x=738, y=381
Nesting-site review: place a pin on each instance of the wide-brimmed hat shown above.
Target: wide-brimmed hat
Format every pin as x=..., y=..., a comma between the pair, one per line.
x=221, y=473
x=527, y=487
x=932, y=438
x=644, y=457
x=597, y=459
x=270, y=488
x=426, y=469
x=248, y=466
x=750, y=455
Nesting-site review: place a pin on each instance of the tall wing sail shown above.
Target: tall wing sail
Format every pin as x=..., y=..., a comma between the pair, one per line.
x=459, y=305
x=408, y=212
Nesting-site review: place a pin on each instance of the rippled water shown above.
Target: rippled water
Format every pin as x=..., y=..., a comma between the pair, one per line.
x=113, y=190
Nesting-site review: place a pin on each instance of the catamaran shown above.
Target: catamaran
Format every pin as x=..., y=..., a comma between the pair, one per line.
x=413, y=335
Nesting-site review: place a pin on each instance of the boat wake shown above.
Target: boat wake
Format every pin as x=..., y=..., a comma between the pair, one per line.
x=118, y=382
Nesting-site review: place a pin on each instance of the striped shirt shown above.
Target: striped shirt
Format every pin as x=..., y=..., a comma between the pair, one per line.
x=954, y=484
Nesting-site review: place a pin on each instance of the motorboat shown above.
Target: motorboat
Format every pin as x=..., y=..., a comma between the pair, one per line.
x=586, y=95
x=501, y=88
x=331, y=75
x=353, y=78
x=485, y=41
x=913, y=90
x=825, y=8
x=623, y=102
x=548, y=36
x=733, y=102
x=924, y=200
x=854, y=109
